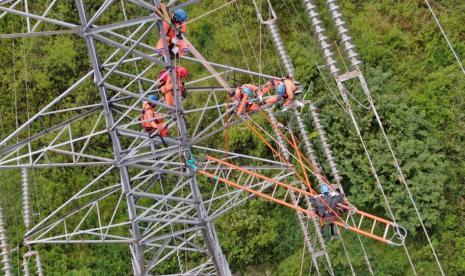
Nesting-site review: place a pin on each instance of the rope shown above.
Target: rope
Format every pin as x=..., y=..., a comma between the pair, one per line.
x=448, y=42
x=210, y=12
x=402, y=179
x=293, y=169
x=248, y=37
x=373, y=169
x=231, y=21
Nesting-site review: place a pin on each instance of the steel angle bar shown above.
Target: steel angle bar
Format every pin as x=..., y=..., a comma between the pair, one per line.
x=129, y=51
x=178, y=221
x=173, y=234
x=37, y=34
x=55, y=165
x=52, y=103
x=95, y=180
x=124, y=24
x=210, y=126
x=98, y=13
x=136, y=134
x=205, y=89
x=81, y=155
x=79, y=242
x=136, y=96
x=163, y=197
x=169, y=151
x=138, y=53
x=71, y=109
x=143, y=4
x=50, y=147
x=135, y=78
x=173, y=172
x=216, y=106
x=207, y=77
x=234, y=69
x=38, y=17
x=198, y=139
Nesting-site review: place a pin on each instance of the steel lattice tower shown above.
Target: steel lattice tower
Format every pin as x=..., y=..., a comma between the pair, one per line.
x=168, y=216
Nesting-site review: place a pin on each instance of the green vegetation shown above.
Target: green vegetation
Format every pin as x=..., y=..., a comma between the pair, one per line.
x=415, y=81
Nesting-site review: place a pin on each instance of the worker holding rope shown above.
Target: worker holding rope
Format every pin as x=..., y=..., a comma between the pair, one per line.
x=166, y=83
x=244, y=96
x=174, y=31
x=284, y=89
x=152, y=121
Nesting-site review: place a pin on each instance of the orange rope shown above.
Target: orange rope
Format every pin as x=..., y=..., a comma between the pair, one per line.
x=314, y=169
x=280, y=157
x=301, y=163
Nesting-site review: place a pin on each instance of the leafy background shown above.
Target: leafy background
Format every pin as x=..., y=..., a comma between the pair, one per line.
x=415, y=81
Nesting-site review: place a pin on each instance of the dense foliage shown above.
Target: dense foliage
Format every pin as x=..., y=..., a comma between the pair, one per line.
x=415, y=81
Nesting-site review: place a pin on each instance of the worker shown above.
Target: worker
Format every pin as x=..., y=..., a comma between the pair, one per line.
x=327, y=206
x=244, y=96
x=152, y=121
x=284, y=89
x=166, y=83
x=174, y=31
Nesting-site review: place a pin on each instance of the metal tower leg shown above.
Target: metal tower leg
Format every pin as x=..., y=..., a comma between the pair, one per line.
x=136, y=249
x=208, y=229
x=4, y=247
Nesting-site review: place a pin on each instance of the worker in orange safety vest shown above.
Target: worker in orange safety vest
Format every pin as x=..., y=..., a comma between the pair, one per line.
x=244, y=95
x=174, y=31
x=152, y=121
x=166, y=83
x=284, y=89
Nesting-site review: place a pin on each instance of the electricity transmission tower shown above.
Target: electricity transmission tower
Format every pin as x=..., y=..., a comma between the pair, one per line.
x=159, y=196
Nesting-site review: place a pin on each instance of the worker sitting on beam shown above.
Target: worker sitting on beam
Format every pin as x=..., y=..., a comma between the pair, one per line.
x=284, y=89
x=244, y=96
x=152, y=121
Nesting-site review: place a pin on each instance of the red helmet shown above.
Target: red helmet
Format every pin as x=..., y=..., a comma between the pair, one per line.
x=161, y=77
x=181, y=72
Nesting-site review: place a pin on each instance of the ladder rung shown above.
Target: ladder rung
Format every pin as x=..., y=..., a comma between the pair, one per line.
x=386, y=231
x=360, y=222
x=373, y=227
x=285, y=196
x=274, y=190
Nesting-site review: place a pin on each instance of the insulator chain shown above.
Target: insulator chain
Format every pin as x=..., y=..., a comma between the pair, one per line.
x=282, y=52
x=26, y=201
x=27, y=222
x=343, y=32
x=321, y=37
x=4, y=247
x=326, y=146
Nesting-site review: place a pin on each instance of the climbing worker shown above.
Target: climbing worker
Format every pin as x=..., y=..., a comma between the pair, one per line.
x=244, y=96
x=327, y=206
x=166, y=83
x=152, y=121
x=284, y=89
x=174, y=31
